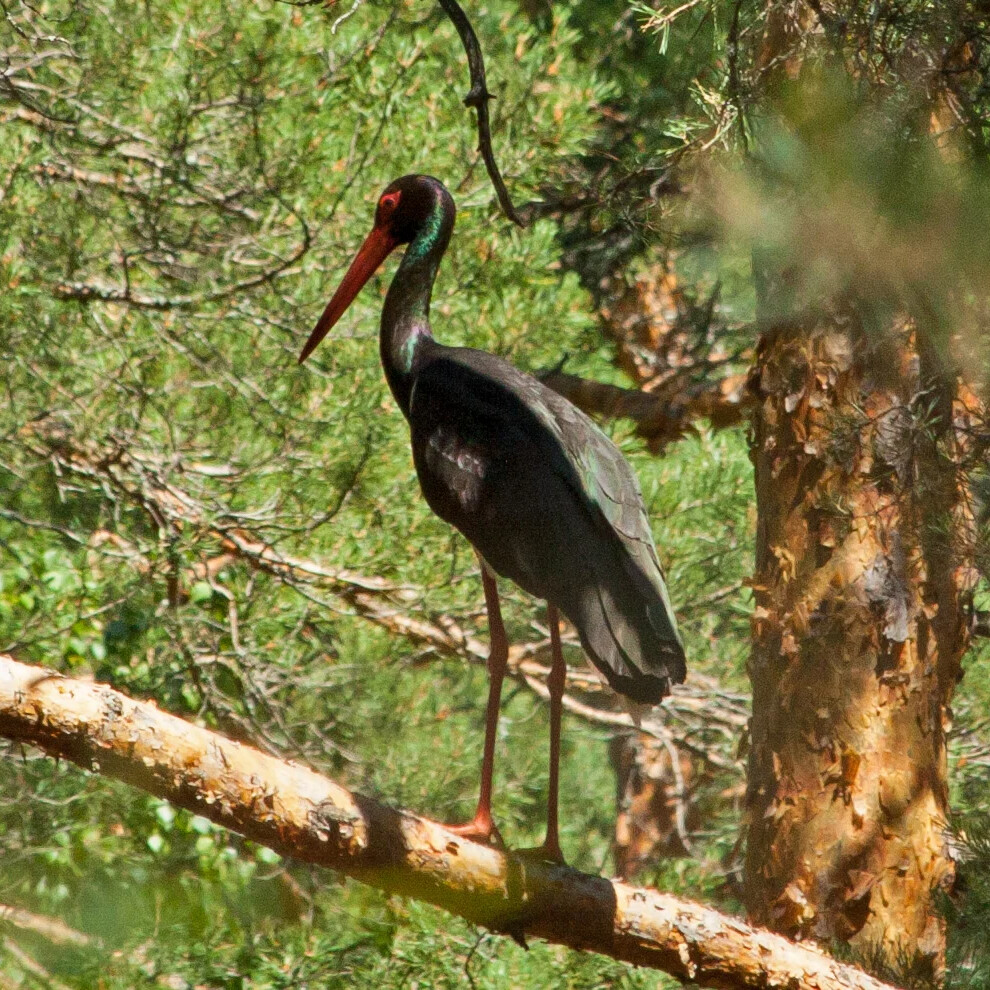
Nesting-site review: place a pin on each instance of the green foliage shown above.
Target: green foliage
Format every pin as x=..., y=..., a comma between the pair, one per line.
x=183, y=184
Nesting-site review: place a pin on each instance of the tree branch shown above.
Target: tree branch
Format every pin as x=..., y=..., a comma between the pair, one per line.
x=53, y=929
x=301, y=814
x=708, y=718
x=660, y=417
x=478, y=97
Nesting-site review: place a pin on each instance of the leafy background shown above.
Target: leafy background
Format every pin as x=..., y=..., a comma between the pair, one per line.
x=181, y=184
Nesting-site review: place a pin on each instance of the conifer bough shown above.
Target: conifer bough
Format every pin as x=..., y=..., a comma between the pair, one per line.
x=303, y=815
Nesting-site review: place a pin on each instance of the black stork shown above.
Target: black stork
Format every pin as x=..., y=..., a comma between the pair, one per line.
x=543, y=496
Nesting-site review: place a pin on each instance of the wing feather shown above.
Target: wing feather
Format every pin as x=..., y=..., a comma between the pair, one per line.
x=550, y=503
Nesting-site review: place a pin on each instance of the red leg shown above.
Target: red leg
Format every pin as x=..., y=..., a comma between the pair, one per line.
x=558, y=672
x=482, y=826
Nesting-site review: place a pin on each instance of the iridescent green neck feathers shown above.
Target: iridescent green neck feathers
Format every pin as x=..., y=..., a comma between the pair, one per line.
x=406, y=314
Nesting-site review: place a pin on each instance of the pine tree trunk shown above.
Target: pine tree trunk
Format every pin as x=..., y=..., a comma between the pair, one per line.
x=655, y=810
x=858, y=634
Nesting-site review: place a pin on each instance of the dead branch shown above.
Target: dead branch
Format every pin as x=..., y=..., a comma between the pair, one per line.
x=301, y=814
x=478, y=97
x=663, y=416
x=701, y=710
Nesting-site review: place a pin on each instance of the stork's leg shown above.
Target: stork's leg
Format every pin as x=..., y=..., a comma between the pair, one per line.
x=482, y=827
x=555, y=683
x=550, y=850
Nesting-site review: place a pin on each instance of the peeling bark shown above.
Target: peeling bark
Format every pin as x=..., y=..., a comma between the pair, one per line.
x=858, y=633
x=298, y=813
x=656, y=811
x=863, y=584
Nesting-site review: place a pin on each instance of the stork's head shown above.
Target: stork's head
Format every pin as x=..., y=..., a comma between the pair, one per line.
x=416, y=209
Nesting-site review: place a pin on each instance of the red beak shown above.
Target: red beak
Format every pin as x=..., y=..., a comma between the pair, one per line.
x=378, y=245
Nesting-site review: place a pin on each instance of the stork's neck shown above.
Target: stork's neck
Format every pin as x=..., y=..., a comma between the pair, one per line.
x=406, y=315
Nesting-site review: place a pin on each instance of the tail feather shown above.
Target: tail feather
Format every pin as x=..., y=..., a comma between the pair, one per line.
x=624, y=624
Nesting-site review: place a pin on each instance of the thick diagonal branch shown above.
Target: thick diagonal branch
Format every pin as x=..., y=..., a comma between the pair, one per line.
x=301, y=814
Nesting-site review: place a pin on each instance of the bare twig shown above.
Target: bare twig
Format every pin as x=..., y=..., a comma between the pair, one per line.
x=344, y=16
x=478, y=97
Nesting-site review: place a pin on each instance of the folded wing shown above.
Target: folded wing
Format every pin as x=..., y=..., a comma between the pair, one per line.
x=550, y=503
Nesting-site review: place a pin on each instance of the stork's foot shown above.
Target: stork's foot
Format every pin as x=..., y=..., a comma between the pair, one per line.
x=480, y=829
x=548, y=852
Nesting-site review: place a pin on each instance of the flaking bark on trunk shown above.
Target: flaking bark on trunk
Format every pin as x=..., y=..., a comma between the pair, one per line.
x=655, y=807
x=858, y=634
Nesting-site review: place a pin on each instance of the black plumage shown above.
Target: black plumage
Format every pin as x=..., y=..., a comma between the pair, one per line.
x=545, y=498
x=550, y=503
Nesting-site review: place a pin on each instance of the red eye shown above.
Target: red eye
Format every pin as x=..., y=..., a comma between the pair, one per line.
x=388, y=202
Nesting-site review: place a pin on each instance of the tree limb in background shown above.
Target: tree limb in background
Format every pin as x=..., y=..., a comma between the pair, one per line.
x=686, y=358
x=660, y=417
x=57, y=933
x=708, y=718
x=53, y=929
x=27, y=962
x=478, y=97
x=301, y=814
